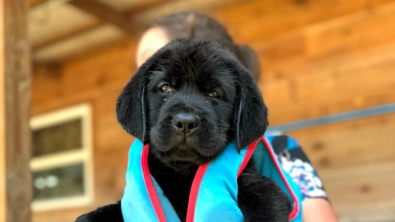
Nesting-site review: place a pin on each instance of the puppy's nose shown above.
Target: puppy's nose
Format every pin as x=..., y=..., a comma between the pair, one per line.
x=186, y=122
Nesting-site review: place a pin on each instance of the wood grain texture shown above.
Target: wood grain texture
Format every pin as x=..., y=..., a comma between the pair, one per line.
x=101, y=78
x=353, y=143
x=361, y=189
x=106, y=14
x=17, y=111
x=258, y=21
x=33, y=3
x=355, y=159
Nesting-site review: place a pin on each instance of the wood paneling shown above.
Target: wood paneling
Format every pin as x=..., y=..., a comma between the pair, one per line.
x=310, y=64
x=105, y=13
x=366, y=190
x=359, y=31
x=35, y=2
x=98, y=80
x=355, y=159
x=351, y=143
x=338, y=84
x=257, y=21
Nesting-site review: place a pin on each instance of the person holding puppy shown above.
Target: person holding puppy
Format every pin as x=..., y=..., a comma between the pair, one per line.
x=294, y=161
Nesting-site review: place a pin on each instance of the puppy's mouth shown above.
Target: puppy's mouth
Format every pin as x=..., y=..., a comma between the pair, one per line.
x=182, y=151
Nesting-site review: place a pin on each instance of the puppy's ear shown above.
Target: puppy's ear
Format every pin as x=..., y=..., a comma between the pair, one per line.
x=251, y=112
x=131, y=106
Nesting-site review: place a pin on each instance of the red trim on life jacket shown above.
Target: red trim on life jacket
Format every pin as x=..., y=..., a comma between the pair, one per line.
x=195, y=191
x=247, y=156
x=150, y=186
x=295, y=210
x=199, y=177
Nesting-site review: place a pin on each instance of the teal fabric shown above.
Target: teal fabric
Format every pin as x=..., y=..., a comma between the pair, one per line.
x=136, y=204
x=217, y=196
x=266, y=163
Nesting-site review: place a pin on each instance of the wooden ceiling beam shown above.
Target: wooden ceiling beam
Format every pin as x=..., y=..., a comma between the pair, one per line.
x=86, y=29
x=67, y=35
x=106, y=14
x=33, y=3
x=145, y=5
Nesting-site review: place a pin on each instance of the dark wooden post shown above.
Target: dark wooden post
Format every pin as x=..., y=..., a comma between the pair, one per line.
x=15, y=182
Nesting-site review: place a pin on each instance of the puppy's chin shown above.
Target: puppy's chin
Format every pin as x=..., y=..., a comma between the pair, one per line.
x=183, y=161
x=183, y=155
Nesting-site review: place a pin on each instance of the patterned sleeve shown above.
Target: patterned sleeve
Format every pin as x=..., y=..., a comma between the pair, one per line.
x=299, y=167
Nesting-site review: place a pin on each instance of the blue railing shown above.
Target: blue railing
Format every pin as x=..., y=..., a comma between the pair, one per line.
x=335, y=118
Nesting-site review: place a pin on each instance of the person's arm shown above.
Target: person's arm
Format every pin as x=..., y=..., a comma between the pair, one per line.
x=318, y=209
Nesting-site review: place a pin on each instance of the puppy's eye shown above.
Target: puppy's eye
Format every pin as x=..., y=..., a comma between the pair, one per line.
x=214, y=94
x=165, y=88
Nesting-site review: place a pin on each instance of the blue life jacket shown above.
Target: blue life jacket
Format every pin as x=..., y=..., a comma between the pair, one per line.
x=213, y=195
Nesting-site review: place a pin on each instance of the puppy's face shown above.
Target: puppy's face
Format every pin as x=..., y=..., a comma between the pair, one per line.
x=189, y=100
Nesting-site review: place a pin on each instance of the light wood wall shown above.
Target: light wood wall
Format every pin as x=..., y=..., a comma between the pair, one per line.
x=318, y=57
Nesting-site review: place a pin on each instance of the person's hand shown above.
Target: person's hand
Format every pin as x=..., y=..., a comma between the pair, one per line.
x=318, y=210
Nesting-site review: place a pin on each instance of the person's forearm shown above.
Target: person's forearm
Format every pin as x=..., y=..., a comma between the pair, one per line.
x=318, y=210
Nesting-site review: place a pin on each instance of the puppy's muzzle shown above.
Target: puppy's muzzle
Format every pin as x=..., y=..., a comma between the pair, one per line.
x=186, y=123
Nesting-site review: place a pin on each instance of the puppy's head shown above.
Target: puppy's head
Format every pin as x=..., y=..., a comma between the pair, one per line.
x=189, y=100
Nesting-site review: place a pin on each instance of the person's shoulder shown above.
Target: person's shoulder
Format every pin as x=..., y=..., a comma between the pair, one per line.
x=281, y=142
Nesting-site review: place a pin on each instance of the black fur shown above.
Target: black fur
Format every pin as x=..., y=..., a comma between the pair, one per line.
x=207, y=82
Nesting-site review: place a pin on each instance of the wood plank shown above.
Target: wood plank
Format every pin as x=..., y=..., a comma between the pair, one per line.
x=105, y=70
x=107, y=125
x=42, y=28
x=92, y=26
x=145, y=5
x=104, y=76
x=33, y=3
x=335, y=85
x=313, y=70
x=129, y=15
x=202, y=6
x=258, y=21
x=384, y=215
x=347, y=35
x=361, y=189
x=80, y=31
x=94, y=39
x=356, y=32
x=17, y=111
x=352, y=143
x=107, y=14
x=309, y=11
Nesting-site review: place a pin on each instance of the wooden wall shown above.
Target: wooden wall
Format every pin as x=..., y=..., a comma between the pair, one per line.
x=98, y=80
x=318, y=57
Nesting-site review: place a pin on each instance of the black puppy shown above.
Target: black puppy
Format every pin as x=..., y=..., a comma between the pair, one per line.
x=188, y=101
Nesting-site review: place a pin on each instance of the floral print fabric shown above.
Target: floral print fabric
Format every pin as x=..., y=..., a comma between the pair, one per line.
x=298, y=166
